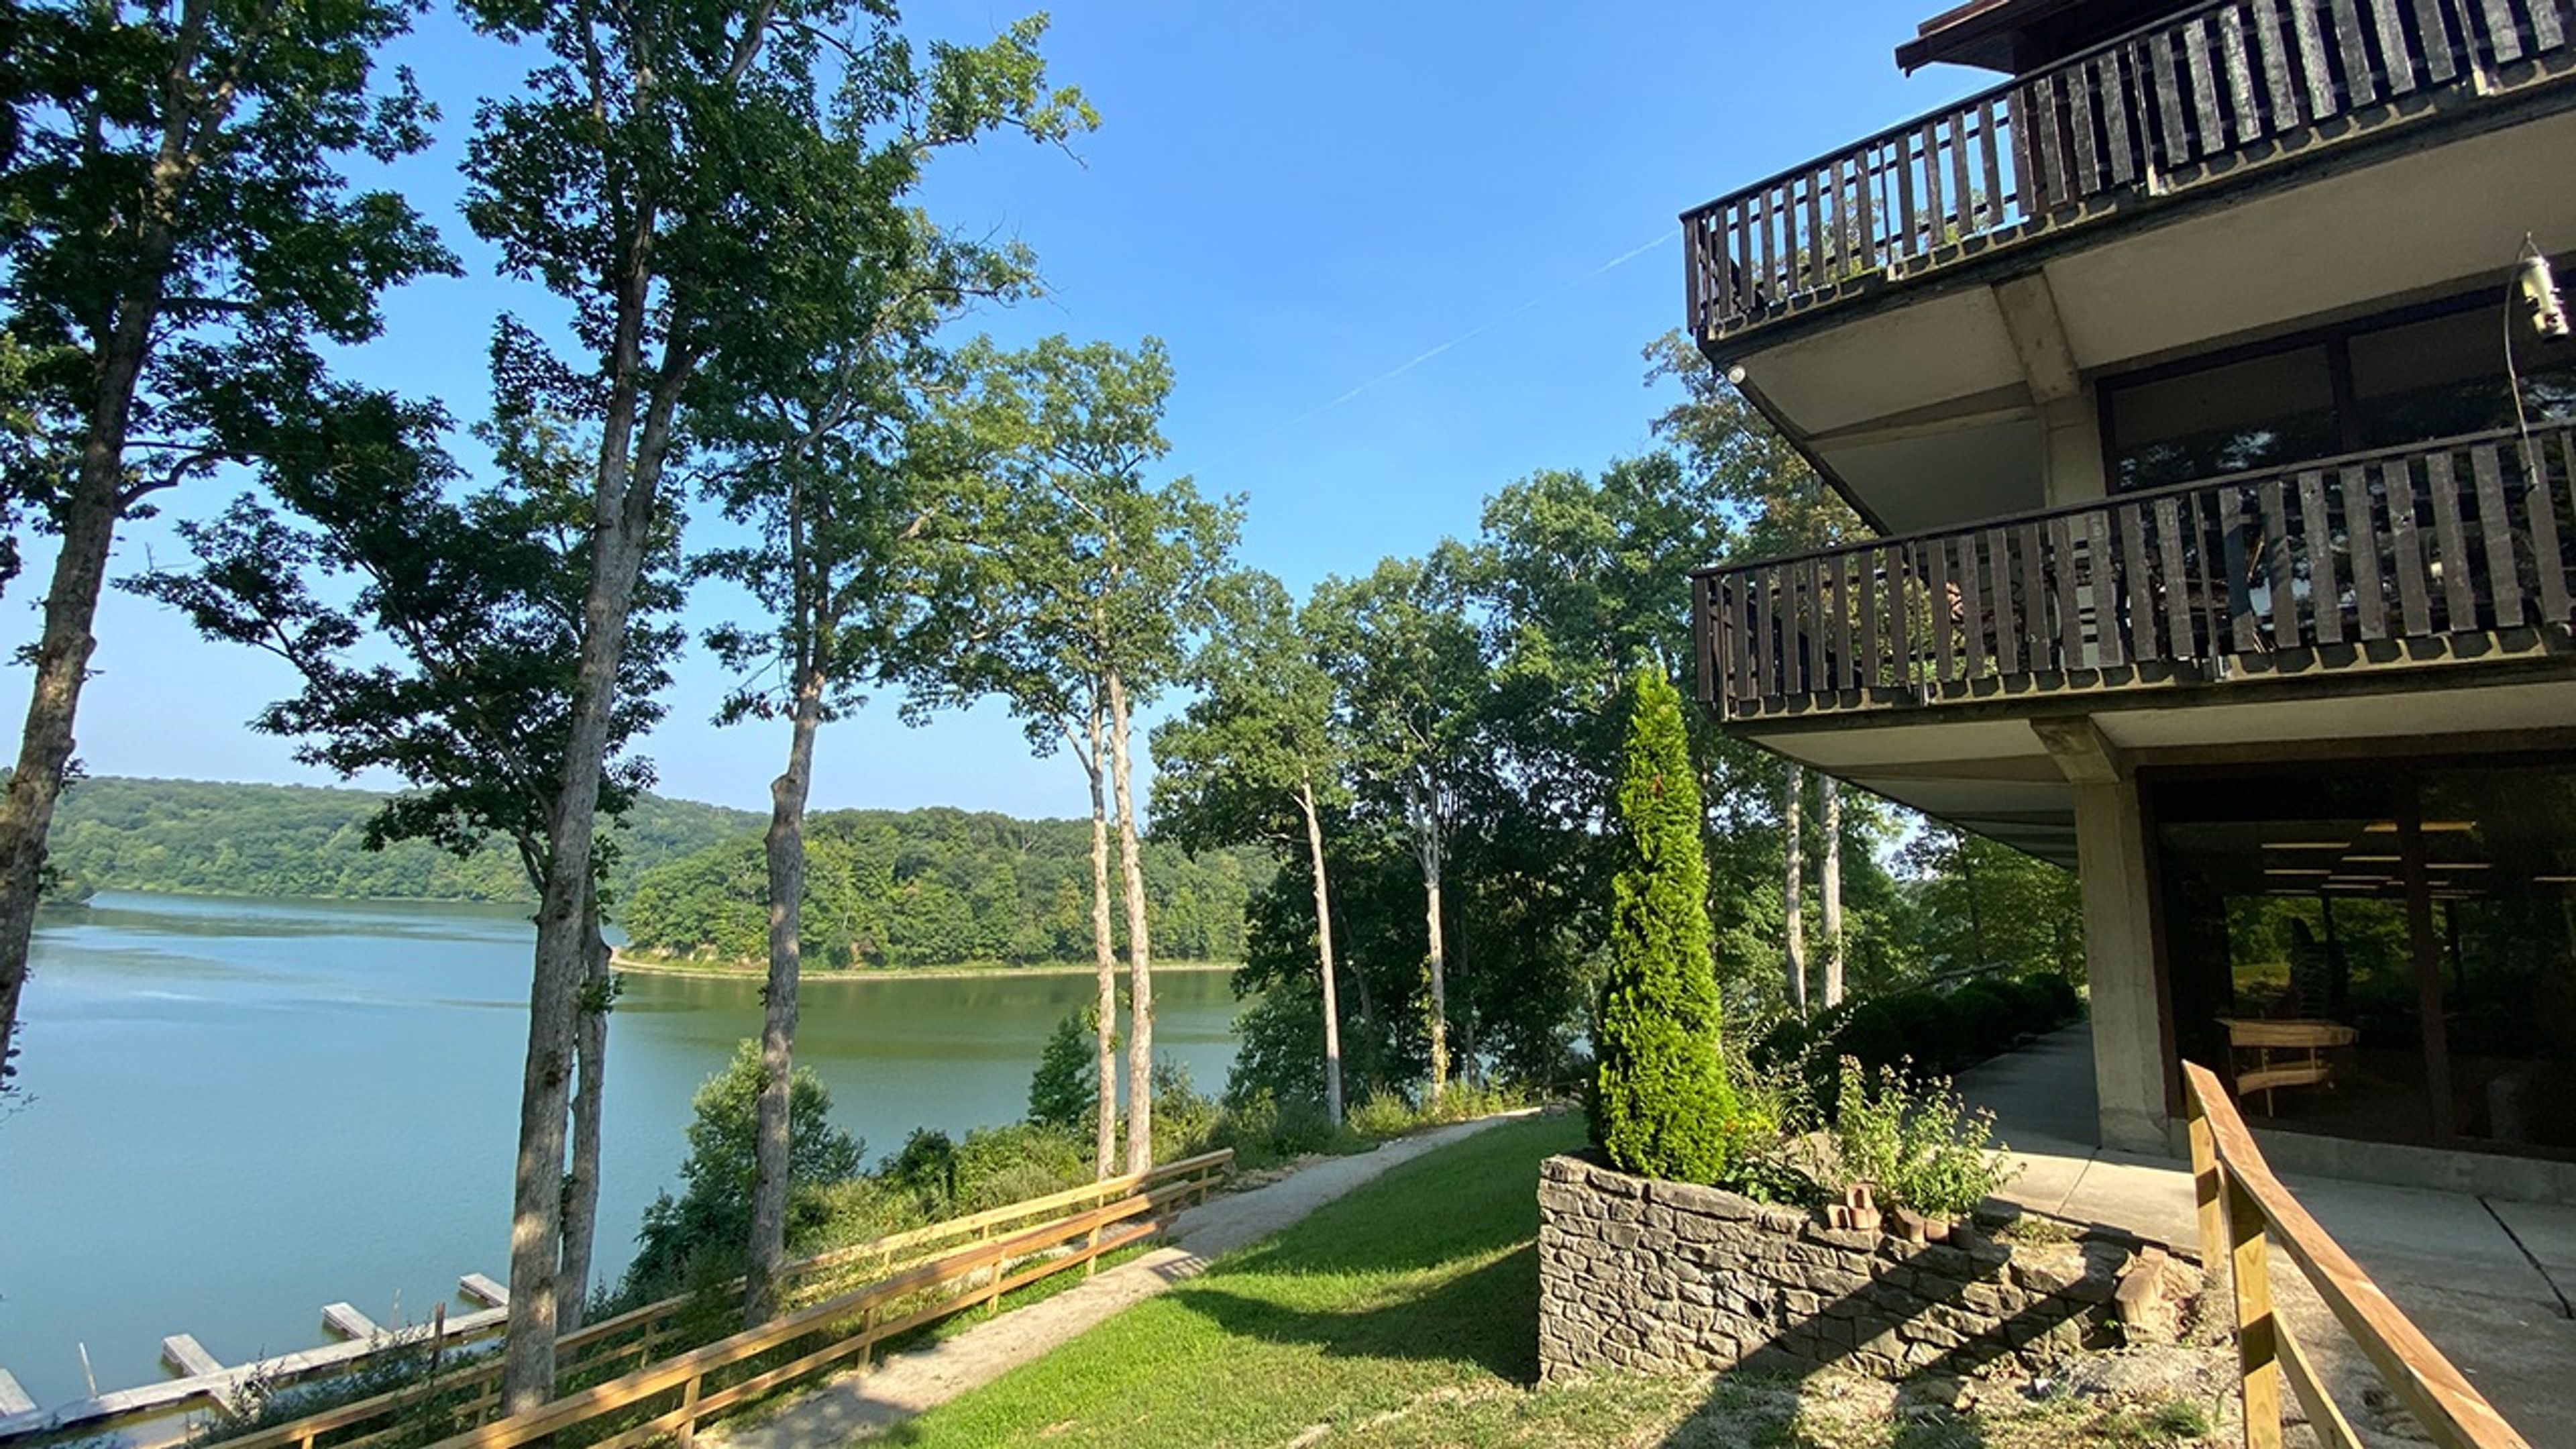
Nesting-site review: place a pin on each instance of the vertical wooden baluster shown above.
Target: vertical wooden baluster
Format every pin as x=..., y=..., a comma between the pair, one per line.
x=2504, y=38
x=1769, y=634
x=1901, y=246
x=2398, y=58
x=2060, y=544
x=2177, y=149
x=2354, y=42
x=2540, y=496
x=1963, y=199
x=1900, y=596
x=2257, y=1348
x=2270, y=42
x=2238, y=64
x=2547, y=33
x=2030, y=197
x=2280, y=566
x=2135, y=523
x=2207, y=1193
x=2433, y=38
x=1994, y=210
x=1818, y=269
x=2238, y=535
x=2459, y=601
x=1871, y=671
x=687, y=1433
x=2361, y=534
x=2211, y=137
x=1935, y=226
x=2504, y=576
x=2414, y=582
x=1939, y=594
x=2120, y=149
x=2083, y=90
x=1974, y=615
x=2005, y=600
x=2176, y=581
x=2311, y=55
x=2102, y=572
x=1706, y=639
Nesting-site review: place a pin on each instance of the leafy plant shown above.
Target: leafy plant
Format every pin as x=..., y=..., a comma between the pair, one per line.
x=1066, y=1085
x=704, y=1229
x=1917, y=1143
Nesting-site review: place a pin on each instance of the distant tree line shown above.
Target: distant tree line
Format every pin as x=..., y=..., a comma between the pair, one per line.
x=935, y=887
x=204, y=837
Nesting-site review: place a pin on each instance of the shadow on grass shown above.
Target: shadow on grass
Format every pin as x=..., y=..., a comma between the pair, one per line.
x=1482, y=1317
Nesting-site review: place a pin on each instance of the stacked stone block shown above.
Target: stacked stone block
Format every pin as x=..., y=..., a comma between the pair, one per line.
x=1663, y=1277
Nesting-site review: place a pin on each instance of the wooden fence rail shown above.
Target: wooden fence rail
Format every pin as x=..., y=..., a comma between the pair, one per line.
x=2332, y=561
x=2153, y=110
x=2244, y=1211
x=629, y=1343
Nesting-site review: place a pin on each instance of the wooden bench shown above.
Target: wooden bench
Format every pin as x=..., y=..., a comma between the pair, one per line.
x=2306, y=1041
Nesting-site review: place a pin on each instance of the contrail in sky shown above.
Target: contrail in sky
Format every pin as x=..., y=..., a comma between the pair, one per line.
x=1472, y=333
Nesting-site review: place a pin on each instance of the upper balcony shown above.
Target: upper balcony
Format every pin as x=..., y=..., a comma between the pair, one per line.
x=2191, y=105
x=2374, y=567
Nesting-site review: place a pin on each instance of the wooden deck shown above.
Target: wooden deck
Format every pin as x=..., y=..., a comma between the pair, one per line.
x=2440, y=553
x=2191, y=101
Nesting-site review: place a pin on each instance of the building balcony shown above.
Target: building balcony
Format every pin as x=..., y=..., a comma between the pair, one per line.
x=2191, y=106
x=2374, y=568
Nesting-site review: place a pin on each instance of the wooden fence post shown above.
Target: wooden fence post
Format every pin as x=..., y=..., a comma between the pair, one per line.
x=687, y=1433
x=2258, y=1353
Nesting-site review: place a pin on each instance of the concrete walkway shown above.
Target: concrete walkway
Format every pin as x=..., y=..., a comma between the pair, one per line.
x=862, y=1405
x=2487, y=1280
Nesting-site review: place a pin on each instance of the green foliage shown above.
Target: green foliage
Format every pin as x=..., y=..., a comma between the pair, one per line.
x=201, y=837
x=1915, y=1143
x=1983, y=904
x=700, y=1234
x=1064, y=1092
x=935, y=887
x=1663, y=1106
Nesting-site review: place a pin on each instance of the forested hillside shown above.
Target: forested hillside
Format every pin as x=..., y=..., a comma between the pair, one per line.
x=213, y=838
x=934, y=887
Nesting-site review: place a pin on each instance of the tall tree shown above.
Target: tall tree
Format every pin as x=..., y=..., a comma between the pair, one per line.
x=448, y=664
x=1255, y=758
x=1829, y=903
x=175, y=237
x=1662, y=1106
x=1793, y=886
x=680, y=174
x=1411, y=673
x=836, y=469
x=1090, y=582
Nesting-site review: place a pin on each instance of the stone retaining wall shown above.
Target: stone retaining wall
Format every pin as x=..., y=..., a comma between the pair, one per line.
x=1668, y=1277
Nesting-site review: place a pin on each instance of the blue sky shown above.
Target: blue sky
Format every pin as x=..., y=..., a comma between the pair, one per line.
x=1301, y=201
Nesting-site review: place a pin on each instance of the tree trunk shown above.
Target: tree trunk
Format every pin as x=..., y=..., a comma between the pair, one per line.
x=1105, y=953
x=1140, y=956
x=88, y=521
x=1829, y=823
x=785, y=851
x=1793, y=908
x=581, y=1181
x=1324, y=955
x=1439, y=979
x=620, y=532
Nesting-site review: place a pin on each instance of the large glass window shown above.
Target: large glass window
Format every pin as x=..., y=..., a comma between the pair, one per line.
x=2434, y=372
x=2380, y=953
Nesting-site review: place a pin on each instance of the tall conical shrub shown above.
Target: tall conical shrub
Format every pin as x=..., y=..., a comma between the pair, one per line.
x=1663, y=1107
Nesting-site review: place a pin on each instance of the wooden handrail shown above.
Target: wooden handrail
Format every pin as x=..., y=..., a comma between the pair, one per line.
x=1151, y=1190
x=2242, y=1207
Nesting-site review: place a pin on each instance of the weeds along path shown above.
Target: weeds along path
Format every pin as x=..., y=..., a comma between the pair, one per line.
x=863, y=1404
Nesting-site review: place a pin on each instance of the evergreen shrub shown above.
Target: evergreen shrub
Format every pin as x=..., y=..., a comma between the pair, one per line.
x=1661, y=1105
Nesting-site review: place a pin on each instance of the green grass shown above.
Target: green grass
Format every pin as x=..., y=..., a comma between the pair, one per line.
x=1403, y=1317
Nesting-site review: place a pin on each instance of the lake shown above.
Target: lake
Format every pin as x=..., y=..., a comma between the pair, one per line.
x=240, y=1110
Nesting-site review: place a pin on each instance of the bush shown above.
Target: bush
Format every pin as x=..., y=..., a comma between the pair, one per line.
x=705, y=1233
x=1932, y=1030
x=1662, y=1106
x=996, y=1166
x=1987, y=1022
x=1385, y=1114
x=1064, y=1092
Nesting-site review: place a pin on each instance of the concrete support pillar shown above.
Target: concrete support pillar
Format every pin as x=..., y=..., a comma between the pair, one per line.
x=2119, y=934
x=2120, y=966
x=2069, y=418
x=2073, y=426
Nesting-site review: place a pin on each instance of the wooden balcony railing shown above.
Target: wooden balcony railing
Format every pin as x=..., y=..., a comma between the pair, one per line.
x=2242, y=1209
x=2377, y=557
x=2163, y=108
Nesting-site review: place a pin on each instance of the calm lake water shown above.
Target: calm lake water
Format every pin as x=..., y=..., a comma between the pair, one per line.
x=244, y=1109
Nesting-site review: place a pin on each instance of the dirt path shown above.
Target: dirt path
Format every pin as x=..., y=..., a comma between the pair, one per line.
x=858, y=1406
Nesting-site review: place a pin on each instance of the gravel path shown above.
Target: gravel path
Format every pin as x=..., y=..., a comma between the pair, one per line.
x=861, y=1405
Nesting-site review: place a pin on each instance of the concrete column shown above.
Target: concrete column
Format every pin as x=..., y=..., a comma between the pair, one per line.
x=2073, y=426
x=2120, y=965
x=2119, y=933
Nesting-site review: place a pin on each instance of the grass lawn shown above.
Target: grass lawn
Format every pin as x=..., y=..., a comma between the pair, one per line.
x=1404, y=1316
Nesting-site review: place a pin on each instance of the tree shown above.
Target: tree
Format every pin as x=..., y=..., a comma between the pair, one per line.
x=1255, y=757
x=1663, y=1107
x=836, y=467
x=1411, y=673
x=1067, y=1081
x=176, y=238
x=1793, y=904
x=1089, y=583
x=450, y=666
x=678, y=173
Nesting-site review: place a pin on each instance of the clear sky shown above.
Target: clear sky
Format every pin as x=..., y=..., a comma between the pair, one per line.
x=1402, y=253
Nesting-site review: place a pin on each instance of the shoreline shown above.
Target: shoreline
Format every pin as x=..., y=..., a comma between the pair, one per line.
x=619, y=960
